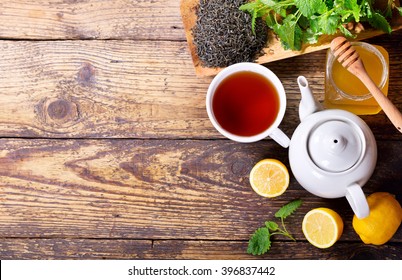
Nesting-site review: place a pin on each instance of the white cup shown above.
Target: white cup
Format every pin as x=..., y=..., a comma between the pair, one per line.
x=272, y=131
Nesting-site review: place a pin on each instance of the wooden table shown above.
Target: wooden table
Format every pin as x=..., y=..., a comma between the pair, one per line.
x=107, y=151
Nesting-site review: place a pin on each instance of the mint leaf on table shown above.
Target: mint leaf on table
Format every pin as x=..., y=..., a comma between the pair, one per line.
x=399, y=10
x=378, y=21
x=310, y=7
x=272, y=226
x=354, y=8
x=249, y=7
x=269, y=2
x=289, y=32
x=345, y=31
x=270, y=21
x=310, y=36
x=366, y=9
x=288, y=209
x=256, y=10
x=260, y=242
x=328, y=24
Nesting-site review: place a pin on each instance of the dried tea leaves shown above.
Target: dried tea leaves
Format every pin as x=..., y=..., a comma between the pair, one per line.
x=223, y=34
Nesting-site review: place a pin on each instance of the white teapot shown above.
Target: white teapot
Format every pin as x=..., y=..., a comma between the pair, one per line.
x=332, y=153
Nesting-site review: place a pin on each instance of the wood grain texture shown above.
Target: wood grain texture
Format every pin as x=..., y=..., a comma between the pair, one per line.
x=138, y=89
x=95, y=19
x=155, y=189
x=100, y=89
x=185, y=249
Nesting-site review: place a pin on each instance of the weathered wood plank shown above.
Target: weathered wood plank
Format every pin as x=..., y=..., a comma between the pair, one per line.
x=159, y=189
x=280, y=250
x=95, y=19
x=100, y=89
x=73, y=249
x=184, y=249
x=131, y=89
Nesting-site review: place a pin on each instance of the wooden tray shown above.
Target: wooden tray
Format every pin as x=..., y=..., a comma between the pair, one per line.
x=274, y=51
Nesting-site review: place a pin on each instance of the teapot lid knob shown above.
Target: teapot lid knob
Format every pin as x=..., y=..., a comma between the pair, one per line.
x=336, y=145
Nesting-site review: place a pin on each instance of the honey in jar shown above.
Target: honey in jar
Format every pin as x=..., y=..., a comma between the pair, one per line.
x=345, y=91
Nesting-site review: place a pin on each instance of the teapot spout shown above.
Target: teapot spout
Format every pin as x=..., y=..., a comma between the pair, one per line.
x=308, y=105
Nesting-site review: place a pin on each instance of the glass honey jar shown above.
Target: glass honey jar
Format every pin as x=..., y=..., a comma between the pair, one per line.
x=345, y=91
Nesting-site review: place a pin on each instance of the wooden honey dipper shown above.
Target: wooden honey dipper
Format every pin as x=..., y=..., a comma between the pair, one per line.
x=347, y=55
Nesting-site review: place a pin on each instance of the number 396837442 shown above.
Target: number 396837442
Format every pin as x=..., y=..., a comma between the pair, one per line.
x=250, y=270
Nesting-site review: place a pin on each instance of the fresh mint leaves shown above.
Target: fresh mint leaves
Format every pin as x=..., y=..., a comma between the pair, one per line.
x=379, y=22
x=304, y=21
x=310, y=7
x=288, y=209
x=399, y=10
x=260, y=241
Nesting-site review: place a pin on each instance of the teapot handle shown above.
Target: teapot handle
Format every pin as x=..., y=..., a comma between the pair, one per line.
x=358, y=201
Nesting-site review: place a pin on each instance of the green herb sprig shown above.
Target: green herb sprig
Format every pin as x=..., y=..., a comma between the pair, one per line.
x=260, y=241
x=304, y=21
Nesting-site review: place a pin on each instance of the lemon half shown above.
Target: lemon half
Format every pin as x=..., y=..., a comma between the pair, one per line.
x=322, y=227
x=269, y=178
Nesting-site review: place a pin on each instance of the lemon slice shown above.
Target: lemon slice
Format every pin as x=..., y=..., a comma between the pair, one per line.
x=322, y=227
x=269, y=178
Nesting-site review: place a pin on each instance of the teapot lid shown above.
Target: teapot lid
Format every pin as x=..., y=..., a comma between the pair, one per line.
x=335, y=145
